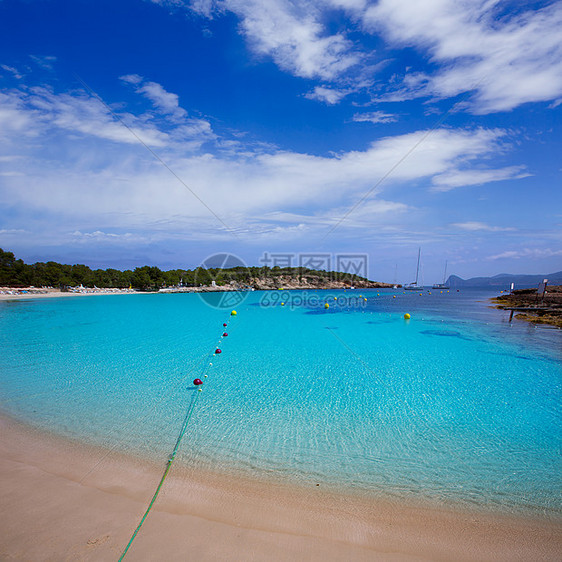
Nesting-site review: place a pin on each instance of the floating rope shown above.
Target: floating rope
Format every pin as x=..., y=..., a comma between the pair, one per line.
x=172, y=456
x=166, y=471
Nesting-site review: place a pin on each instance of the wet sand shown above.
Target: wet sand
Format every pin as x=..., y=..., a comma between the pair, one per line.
x=55, y=507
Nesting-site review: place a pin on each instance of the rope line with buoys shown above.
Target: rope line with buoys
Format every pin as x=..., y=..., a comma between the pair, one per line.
x=198, y=383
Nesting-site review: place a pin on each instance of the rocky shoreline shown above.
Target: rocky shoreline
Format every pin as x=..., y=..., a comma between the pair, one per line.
x=547, y=310
x=258, y=284
x=311, y=282
x=284, y=283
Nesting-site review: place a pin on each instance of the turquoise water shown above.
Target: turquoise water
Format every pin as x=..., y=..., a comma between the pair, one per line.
x=455, y=405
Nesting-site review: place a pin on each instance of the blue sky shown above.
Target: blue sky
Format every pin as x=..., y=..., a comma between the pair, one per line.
x=159, y=132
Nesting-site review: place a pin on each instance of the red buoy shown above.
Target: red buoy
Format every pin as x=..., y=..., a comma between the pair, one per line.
x=225, y=334
x=197, y=382
x=224, y=324
x=217, y=351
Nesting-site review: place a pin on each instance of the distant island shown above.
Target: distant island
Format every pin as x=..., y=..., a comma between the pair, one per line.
x=15, y=274
x=504, y=281
x=523, y=300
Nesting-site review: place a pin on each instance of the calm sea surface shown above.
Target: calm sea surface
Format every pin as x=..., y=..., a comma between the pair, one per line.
x=455, y=405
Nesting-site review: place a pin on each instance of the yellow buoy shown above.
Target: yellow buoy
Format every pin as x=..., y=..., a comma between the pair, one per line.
x=282, y=304
x=233, y=313
x=326, y=305
x=364, y=299
x=393, y=296
x=406, y=316
x=335, y=298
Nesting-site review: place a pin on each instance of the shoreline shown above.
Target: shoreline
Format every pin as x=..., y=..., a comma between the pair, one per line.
x=59, y=511
x=8, y=293
x=55, y=293
x=526, y=303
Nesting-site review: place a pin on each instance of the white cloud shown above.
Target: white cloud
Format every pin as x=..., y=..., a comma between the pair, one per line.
x=293, y=34
x=106, y=237
x=294, y=37
x=461, y=178
x=352, y=6
x=474, y=226
x=15, y=117
x=330, y=96
x=198, y=128
x=371, y=210
x=40, y=111
x=131, y=78
x=168, y=102
x=529, y=253
x=45, y=62
x=95, y=181
x=375, y=117
x=86, y=115
x=12, y=70
x=506, y=56
x=126, y=190
x=507, y=60
x=12, y=231
x=202, y=7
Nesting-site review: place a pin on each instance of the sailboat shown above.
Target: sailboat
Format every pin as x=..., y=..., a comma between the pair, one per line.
x=442, y=285
x=414, y=286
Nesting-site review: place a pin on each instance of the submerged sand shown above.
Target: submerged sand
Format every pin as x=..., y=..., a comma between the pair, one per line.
x=65, y=501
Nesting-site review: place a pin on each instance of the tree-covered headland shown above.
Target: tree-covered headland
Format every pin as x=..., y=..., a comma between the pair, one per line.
x=15, y=273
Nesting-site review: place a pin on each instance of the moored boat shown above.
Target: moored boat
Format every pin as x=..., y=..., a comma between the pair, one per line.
x=414, y=286
x=442, y=285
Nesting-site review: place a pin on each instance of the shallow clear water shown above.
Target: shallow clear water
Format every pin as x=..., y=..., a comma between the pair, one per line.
x=456, y=404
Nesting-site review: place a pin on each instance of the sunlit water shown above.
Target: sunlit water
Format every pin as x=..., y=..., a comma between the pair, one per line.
x=455, y=405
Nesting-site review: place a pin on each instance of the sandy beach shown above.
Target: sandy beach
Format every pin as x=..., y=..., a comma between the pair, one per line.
x=8, y=294
x=57, y=508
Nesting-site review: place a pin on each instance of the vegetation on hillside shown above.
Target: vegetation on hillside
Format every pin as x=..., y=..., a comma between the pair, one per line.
x=15, y=273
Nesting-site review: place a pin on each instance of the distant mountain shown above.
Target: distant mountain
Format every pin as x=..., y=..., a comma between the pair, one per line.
x=504, y=280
